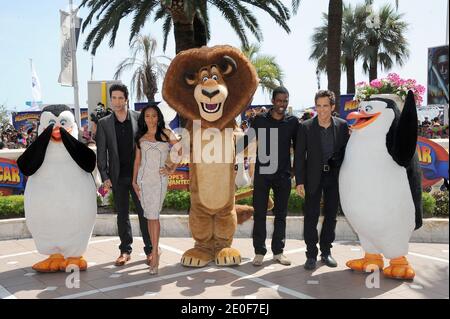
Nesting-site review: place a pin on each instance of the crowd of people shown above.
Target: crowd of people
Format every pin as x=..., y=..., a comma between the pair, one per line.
x=433, y=129
x=12, y=138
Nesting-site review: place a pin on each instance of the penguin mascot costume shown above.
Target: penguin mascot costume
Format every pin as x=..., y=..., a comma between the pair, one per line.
x=60, y=194
x=380, y=184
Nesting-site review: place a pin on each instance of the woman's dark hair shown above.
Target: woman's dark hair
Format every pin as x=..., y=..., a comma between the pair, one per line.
x=143, y=129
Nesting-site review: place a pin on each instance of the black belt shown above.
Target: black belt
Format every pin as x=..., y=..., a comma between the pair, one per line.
x=326, y=168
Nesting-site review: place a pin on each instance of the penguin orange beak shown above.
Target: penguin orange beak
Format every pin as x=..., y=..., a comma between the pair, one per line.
x=362, y=119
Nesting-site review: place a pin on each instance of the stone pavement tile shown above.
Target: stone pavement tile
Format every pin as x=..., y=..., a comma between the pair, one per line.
x=440, y=287
x=82, y=286
x=8, y=247
x=11, y=273
x=25, y=260
x=105, y=282
x=18, y=279
x=424, y=287
x=261, y=292
x=419, y=294
x=340, y=282
x=206, y=279
x=141, y=272
x=182, y=244
x=99, y=255
x=129, y=292
x=217, y=292
x=98, y=295
x=196, y=284
x=437, y=250
x=7, y=268
x=94, y=273
x=52, y=279
x=431, y=272
x=33, y=290
x=243, y=288
x=28, y=244
x=169, y=289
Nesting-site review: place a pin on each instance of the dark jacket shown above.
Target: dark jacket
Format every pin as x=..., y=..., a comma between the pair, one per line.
x=108, y=161
x=308, y=153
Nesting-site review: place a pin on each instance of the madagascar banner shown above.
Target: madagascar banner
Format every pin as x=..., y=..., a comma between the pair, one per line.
x=179, y=180
x=26, y=119
x=347, y=106
x=433, y=160
x=11, y=179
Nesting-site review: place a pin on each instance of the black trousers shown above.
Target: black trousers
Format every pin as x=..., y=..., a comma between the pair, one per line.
x=121, y=193
x=329, y=186
x=281, y=186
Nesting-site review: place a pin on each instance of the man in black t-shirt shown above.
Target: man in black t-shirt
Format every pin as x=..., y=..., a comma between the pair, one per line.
x=276, y=133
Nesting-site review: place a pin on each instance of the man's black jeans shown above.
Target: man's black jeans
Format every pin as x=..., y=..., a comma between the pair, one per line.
x=121, y=193
x=281, y=186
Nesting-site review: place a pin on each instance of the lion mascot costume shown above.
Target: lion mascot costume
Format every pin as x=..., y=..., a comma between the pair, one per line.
x=209, y=87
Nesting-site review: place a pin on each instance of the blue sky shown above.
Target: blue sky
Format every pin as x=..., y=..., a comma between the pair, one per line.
x=30, y=29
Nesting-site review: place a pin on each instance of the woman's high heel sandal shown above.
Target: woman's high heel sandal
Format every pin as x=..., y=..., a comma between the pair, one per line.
x=155, y=265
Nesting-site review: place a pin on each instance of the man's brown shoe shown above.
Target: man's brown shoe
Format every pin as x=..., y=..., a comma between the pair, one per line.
x=123, y=259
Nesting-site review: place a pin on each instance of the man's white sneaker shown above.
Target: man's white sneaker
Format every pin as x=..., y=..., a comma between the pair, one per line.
x=282, y=259
x=258, y=260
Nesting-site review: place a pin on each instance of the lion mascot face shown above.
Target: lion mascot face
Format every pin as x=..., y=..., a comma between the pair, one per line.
x=210, y=84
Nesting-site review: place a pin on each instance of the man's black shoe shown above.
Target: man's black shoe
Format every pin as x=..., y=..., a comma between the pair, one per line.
x=310, y=264
x=329, y=261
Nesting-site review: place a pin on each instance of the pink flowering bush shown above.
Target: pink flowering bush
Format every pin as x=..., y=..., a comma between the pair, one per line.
x=391, y=84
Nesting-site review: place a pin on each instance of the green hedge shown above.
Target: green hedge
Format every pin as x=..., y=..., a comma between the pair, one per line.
x=436, y=204
x=11, y=206
x=441, y=203
x=428, y=204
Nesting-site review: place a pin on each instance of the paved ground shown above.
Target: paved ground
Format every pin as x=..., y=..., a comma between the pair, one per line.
x=104, y=280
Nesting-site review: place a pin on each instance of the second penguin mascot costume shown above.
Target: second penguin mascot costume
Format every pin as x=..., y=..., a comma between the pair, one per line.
x=379, y=184
x=60, y=194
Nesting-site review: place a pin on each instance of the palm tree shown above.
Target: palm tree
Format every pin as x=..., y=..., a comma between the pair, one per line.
x=385, y=42
x=4, y=117
x=333, y=42
x=149, y=68
x=352, y=42
x=356, y=35
x=334, y=48
x=189, y=18
x=268, y=70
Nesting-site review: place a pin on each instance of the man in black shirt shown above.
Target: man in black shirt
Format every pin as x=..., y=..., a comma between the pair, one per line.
x=319, y=153
x=275, y=132
x=115, y=159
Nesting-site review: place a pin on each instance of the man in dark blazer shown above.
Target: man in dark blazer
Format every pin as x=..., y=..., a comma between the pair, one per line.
x=115, y=160
x=319, y=153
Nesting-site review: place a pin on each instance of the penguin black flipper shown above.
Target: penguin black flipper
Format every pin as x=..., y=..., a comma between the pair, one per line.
x=33, y=157
x=80, y=153
x=402, y=136
x=415, y=184
x=401, y=142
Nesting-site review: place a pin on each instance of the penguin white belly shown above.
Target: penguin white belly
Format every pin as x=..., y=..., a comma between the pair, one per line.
x=60, y=204
x=376, y=197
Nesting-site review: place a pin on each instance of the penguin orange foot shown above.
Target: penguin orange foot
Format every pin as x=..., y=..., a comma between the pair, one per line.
x=79, y=262
x=399, y=268
x=369, y=260
x=51, y=264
